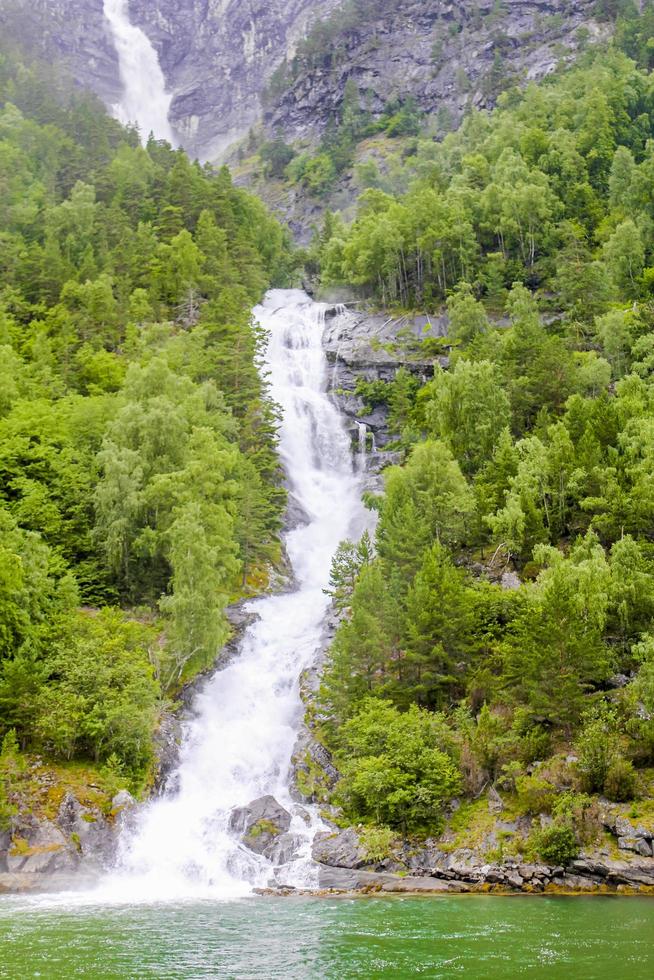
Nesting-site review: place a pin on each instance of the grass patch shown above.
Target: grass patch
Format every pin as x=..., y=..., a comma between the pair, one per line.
x=263, y=827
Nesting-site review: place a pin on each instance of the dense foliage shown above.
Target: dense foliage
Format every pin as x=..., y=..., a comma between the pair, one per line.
x=528, y=456
x=138, y=464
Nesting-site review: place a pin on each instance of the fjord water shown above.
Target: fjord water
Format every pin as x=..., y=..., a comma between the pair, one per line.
x=333, y=939
x=238, y=746
x=145, y=101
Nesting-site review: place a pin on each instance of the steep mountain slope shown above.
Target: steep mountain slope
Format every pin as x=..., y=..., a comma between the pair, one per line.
x=72, y=31
x=232, y=64
x=218, y=57
x=445, y=56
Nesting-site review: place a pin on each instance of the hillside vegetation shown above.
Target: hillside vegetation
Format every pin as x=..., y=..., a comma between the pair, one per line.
x=530, y=455
x=139, y=482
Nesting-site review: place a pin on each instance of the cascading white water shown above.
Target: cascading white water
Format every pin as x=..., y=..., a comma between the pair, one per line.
x=362, y=430
x=145, y=101
x=239, y=745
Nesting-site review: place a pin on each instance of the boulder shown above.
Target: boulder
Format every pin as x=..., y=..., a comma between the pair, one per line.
x=349, y=879
x=639, y=845
x=578, y=883
x=513, y=878
x=88, y=830
x=510, y=581
x=340, y=879
x=283, y=849
x=463, y=865
x=45, y=851
x=124, y=809
x=622, y=827
x=637, y=871
x=534, y=871
x=425, y=860
x=399, y=885
x=260, y=823
x=340, y=850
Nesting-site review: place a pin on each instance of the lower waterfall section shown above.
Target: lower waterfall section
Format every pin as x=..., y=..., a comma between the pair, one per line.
x=239, y=744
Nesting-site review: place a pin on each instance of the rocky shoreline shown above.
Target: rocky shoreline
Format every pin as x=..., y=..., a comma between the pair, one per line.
x=466, y=870
x=72, y=852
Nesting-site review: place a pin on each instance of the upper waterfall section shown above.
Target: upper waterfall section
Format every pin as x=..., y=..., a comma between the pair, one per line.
x=145, y=100
x=218, y=58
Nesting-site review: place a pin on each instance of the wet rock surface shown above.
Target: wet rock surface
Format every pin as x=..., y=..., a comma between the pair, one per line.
x=373, y=346
x=38, y=854
x=263, y=827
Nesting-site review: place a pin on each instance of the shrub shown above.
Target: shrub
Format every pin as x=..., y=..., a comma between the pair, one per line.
x=276, y=155
x=377, y=843
x=621, y=781
x=510, y=776
x=7, y=810
x=596, y=748
x=395, y=771
x=535, y=794
x=556, y=844
x=11, y=766
x=582, y=813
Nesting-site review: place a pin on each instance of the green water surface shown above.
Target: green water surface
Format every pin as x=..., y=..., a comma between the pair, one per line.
x=476, y=937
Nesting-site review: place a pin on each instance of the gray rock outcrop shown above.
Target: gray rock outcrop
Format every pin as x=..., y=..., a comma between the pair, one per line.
x=372, y=347
x=446, y=56
x=262, y=825
x=340, y=850
x=38, y=854
x=437, y=865
x=219, y=56
x=89, y=831
x=73, y=32
x=44, y=849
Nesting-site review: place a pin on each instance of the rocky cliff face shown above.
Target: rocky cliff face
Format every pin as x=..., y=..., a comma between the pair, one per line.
x=218, y=56
x=71, y=31
x=447, y=56
x=40, y=854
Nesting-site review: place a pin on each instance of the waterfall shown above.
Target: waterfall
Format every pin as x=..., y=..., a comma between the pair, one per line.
x=362, y=430
x=239, y=744
x=145, y=101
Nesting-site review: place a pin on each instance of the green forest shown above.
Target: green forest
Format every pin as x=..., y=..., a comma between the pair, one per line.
x=140, y=489
x=531, y=452
x=496, y=630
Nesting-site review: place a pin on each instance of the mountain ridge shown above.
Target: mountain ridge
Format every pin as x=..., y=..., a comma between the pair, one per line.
x=284, y=65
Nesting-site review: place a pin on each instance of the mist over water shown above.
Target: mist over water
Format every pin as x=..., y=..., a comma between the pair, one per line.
x=239, y=744
x=145, y=101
